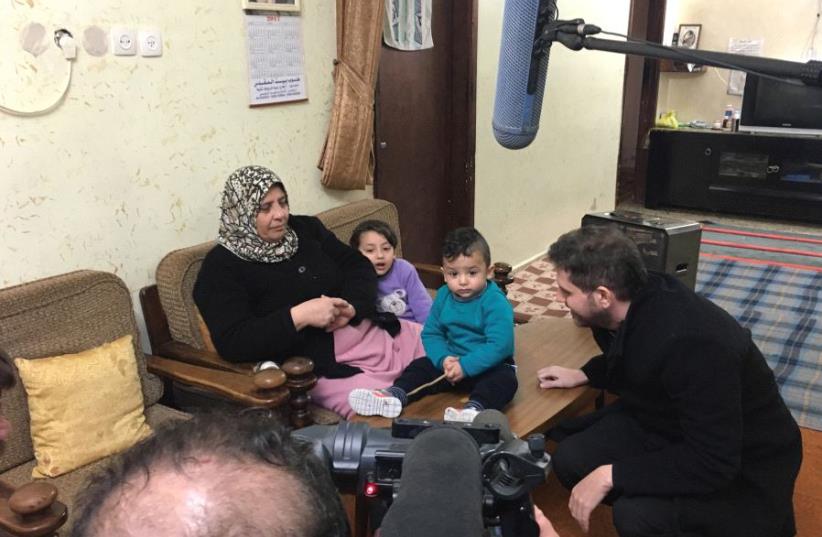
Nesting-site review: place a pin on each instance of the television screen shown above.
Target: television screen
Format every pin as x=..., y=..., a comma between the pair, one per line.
x=771, y=105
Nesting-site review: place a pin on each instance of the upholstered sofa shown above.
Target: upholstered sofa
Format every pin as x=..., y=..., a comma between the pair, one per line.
x=61, y=315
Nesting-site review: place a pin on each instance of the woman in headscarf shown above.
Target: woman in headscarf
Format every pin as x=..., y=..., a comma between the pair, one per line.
x=279, y=285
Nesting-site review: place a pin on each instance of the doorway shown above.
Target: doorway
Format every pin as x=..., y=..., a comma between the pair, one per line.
x=425, y=128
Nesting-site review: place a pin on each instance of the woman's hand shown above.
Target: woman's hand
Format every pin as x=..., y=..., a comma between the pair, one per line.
x=555, y=376
x=346, y=313
x=322, y=312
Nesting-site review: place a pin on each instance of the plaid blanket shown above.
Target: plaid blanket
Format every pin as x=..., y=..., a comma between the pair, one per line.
x=782, y=307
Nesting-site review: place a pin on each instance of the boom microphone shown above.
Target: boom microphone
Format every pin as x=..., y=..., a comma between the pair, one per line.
x=522, y=71
x=441, y=491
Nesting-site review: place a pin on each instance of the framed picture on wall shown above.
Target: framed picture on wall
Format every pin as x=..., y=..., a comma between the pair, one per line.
x=271, y=5
x=689, y=35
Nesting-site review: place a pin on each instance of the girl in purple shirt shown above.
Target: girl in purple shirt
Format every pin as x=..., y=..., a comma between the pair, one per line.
x=399, y=289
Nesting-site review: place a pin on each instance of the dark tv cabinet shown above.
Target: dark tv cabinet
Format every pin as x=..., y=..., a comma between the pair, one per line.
x=752, y=174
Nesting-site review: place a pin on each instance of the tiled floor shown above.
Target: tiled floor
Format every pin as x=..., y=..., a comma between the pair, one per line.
x=533, y=292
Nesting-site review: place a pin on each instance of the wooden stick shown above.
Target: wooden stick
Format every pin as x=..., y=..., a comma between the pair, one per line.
x=418, y=388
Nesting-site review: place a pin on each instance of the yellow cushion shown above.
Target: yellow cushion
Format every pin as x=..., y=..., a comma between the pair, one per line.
x=83, y=406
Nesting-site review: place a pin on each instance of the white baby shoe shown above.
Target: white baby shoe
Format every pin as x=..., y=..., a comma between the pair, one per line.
x=268, y=364
x=374, y=403
x=465, y=415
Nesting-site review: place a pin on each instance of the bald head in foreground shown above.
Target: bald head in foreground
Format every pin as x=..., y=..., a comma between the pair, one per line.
x=214, y=476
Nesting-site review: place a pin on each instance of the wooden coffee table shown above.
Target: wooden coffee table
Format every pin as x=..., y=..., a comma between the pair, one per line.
x=538, y=343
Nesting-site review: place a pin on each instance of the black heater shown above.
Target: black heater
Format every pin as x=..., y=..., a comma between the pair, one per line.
x=670, y=246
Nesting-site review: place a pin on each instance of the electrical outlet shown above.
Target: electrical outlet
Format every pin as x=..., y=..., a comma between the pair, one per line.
x=151, y=42
x=123, y=41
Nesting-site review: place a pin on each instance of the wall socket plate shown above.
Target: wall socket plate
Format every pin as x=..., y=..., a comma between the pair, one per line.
x=123, y=41
x=151, y=41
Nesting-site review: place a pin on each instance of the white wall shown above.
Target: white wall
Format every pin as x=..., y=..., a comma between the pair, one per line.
x=131, y=165
x=784, y=26
x=525, y=199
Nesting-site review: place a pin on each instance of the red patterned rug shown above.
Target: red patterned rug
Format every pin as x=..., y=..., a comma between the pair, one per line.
x=534, y=291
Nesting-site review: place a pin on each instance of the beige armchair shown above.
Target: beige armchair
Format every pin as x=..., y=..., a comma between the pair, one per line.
x=63, y=314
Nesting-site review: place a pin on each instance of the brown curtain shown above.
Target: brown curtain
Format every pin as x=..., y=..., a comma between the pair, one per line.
x=347, y=160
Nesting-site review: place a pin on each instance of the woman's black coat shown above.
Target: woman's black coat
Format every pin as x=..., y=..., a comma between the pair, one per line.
x=246, y=305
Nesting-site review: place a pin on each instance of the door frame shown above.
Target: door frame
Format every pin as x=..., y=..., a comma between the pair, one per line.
x=464, y=115
x=639, y=100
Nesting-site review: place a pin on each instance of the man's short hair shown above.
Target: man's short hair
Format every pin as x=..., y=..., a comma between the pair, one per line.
x=600, y=255
x=377, y=226
x=301, y=501
x=465, y=241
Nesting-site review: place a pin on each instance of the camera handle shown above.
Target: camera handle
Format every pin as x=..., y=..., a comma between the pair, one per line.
x=517, y=517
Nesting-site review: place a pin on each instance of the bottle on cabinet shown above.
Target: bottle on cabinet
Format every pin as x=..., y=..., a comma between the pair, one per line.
x=728, y=118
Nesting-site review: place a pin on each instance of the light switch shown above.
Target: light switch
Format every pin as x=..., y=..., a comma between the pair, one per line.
x=151, y=42
x=123, y=41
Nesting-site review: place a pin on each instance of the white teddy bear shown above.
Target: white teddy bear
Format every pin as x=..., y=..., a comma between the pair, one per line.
x=393, y=303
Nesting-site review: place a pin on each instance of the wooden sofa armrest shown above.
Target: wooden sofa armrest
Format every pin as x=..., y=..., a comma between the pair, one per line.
x=267, y=389
x=232, y=385
x=31, y=510
x=184, y=352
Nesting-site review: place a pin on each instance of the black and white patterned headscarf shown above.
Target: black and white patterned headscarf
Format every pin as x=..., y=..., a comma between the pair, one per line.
x=244, y=190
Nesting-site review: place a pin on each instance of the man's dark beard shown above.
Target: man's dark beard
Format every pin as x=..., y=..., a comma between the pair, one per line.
x=600, y=319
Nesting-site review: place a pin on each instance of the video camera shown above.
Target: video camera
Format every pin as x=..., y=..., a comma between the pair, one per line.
x=368, y=462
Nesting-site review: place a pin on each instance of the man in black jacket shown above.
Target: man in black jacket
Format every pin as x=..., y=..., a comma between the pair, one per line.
x=699, y=441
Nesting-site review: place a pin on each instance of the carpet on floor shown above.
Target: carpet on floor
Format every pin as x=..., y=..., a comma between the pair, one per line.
x=770, y=282
x=761, y=247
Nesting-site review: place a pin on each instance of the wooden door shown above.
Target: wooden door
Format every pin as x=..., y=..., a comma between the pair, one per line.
x=425, y=131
